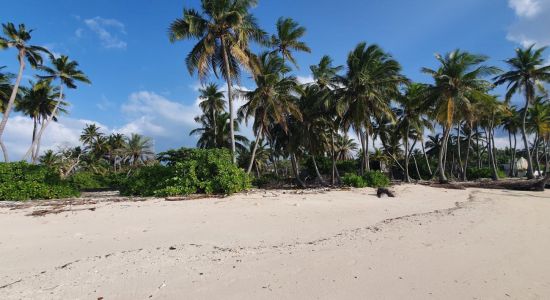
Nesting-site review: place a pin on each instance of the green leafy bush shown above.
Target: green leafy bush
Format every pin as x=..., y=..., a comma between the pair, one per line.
x=479, y=173
x=376, y=179
x=354, y=181
x=189, y=171
x=90, y=181
x=373, y=179
x=21, y=181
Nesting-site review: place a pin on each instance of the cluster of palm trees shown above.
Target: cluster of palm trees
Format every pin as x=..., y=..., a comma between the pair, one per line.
x=101, y=153
x=44, y=99
x=369, y=97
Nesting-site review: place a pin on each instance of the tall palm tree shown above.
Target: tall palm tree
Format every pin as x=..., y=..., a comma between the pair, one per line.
x=90, y=134
x=6, y=88
x=345, y=147
x=138, y=150
x=458, y=81
x=272, y=100
x=287, y=39
x=373, y=78
x=18, y=38
x=223, y=29
x=412, y=119
x=527, y=73
x=222, y=138
x=325, y=74
x=212, y=102
x=38, y=102
x=512, y=123
x=68, y=74
x=539, y=123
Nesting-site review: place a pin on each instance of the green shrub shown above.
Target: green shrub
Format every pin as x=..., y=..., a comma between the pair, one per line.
x=354, y=181
x=22, y=181
x=189, y=171
x=481, y=173
x=376, y=179
x=373, y=179
x=266, y=180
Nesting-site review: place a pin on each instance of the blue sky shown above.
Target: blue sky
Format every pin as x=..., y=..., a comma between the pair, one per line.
x=140, y=82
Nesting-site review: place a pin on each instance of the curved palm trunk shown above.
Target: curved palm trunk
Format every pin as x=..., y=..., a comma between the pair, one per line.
x=492, y=154
x=537, y=158
x=296, y=170
x=367, y=154
x=511, y=161
x=467, y=162
x=442, y=154
x=426, y=158
x=35, y=146
x=319, y=176
x=407, y=154
x=333, y=154
x=230, y=99
x=530, y=174
x=11, y=102
x=459, y=150
x=514, y=171
x=253, y=156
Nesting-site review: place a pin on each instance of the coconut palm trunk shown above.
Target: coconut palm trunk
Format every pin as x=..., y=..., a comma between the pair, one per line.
x=333, y=154
x=229, y=99
x=467, y=161
x=253, y=155
x=296, y=170
x=426, y=158
x=459, y=151
x=11, y=102
x=530, y=174
x=407, y=154
x=319, y=176
x=33, y=150
x=442, y=154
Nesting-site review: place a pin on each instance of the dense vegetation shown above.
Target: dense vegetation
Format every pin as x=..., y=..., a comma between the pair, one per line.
x=188, y=171
x=22, y=181
x=357, y=124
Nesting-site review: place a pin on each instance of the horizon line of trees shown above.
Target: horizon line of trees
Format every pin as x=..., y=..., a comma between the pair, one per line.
x=368, y=96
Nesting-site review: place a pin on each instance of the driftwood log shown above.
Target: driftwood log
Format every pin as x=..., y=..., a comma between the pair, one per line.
x=536, y=185
x=385, y=191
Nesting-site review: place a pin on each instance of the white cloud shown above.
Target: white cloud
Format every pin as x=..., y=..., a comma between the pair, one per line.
x=532, y=24
x=66, y=132
x=525, y=8
x=108, y=31
x=104, y=104
x=305, y=79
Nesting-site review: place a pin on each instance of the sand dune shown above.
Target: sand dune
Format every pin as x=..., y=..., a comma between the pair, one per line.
x=426, y=244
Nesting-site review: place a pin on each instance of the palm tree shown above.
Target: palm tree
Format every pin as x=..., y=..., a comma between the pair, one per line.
x=345, y=147
x=6, y=88
x=222, y=138
x=272, y=100
x=287, y=39
x=372, y=80
x=224, y=29
x=527, y=73
x=261, y=157
x=539, y=123
x=511, y=124
x=18, y=38
x=412, y=119
x=39, y=102
x=212, y=102
x=138, y=150
x=458, y=81
x=90, y=134
x=325, y=74
x=50, y=159
x=67, y=72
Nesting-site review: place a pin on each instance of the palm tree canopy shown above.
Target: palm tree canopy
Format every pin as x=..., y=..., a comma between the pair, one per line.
x=287, y=39
x=212, y=99
x=274, y=97
x=222, y=26
x=65, y=70
x=527, y=72
x=39, y=101
x=18, y=38
x=458, y=83
x=220, y=138
x=325, y=74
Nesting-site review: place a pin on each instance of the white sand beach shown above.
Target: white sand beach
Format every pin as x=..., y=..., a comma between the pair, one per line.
x=425, y=244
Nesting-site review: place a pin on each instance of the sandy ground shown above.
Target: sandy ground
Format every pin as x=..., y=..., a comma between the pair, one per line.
x=426, y=244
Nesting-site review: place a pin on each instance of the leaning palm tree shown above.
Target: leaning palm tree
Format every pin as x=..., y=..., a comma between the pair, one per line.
x=212, y=102
x=224, y=29
x=458, y=81
x=272, y=101
x=287, y=39
x=38, y=103
x=527, y=73
x=6, y=88
x=372, y=80
x=18, y=38
x=67, y=72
